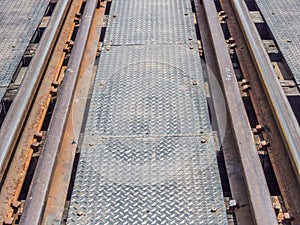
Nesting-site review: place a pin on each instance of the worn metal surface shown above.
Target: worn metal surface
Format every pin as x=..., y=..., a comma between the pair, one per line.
x=142, y=160
x=2, y=93
x=281, y=108
x=288, y=185
x=143, y=21
x=277, y=151
x=35, y=202
x=258, y=192
x=63, y=169
x=282, y=18
x=243, y=215
x=17, y=113
x=148, y=155
x=34, y=123
x=17, y=26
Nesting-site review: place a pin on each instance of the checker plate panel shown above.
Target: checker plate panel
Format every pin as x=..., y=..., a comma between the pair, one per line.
x=2, y=93
x=144, y=21
x=148, y=155
x=17, y=26
x=282, y=18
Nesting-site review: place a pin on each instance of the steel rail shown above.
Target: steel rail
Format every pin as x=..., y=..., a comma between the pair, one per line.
x=280, y=106
x=18, y=111
x=258, y=192
x=58, y=192
x=232, y=160
x=36, y=199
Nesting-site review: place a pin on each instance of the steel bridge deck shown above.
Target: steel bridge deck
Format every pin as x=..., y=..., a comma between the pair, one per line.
x=148, y=155
x=282, y=18
x=18, y=23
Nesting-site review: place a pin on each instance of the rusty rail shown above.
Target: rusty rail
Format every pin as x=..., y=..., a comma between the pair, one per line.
x=281, y=108
x=258, y=192
x=18, y=111
x=36, y=199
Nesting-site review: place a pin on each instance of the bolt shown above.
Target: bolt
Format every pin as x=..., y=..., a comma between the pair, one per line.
x=8, y=220
x=76, y=21
x=231, y=46
x=55, y=84
x=233, y=204
x=287, y=216
x=262, y=153
x=245, y=81
x=264, y=143
x=222, y=13
x=224, y=17
x=53, y=91
x=277, y=207
x=71, y=43
x=213, y=209
x=79, y=213
x=35, y=146
x=78, y=15
x=38, y=136
x=230, y=40
x=15, y=204
x=259, y=128
x=245, y=88
x=67, y=50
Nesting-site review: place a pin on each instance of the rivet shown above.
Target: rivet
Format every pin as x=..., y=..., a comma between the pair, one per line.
x=213, y=209
x=79, y=213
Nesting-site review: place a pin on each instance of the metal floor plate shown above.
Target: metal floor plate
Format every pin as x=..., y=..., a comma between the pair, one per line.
x=134, y=22
x=148, y=155
x=2, y=93
x=282, y=18
x=17, y=26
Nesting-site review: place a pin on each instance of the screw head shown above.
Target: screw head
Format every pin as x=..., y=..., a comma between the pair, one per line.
x=213, y=209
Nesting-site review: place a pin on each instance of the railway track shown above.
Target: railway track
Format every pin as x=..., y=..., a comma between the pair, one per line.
x=259, y=137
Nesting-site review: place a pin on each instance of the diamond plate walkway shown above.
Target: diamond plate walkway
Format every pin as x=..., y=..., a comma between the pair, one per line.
x=17, y=26
x=282, y=18
x=148, y=155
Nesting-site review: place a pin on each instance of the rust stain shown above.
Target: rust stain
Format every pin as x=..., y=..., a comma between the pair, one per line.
x=20, y=164
x=62, y=174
